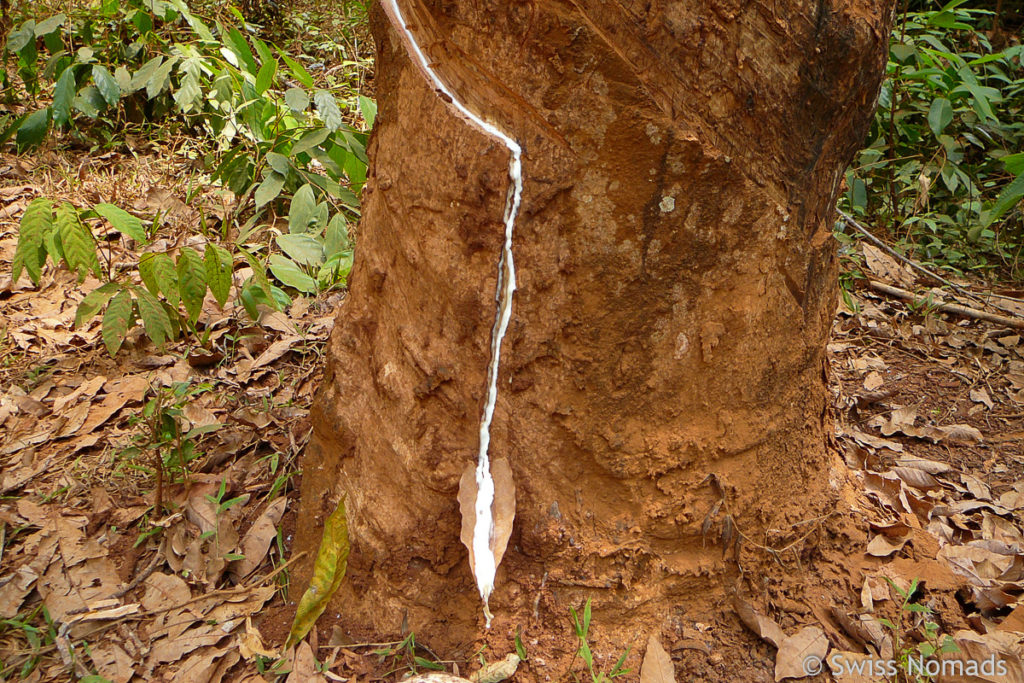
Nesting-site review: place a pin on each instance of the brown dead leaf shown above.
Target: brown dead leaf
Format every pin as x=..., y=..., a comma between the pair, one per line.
x=258, y=538
x=801, y=654
x=304, y=666
x=496, y=672
x=112, y=661
x=1014, y=621
x=250, y=643
x=86, y=389
x=886, y=267
x=883, y=546
x=873, y=381
x=874, y=441
x=990, y=650
x=764, y=627
x=173, y=649
x=847, y=664
x=929, y=466
x=657, y=666
x=503, y=509
x=73, y=420
x=919, y=479
x=275, y=351
x=207, y=666
x=979, y=395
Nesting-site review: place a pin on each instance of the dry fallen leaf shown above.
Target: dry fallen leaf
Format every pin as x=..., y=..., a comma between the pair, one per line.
x=883, y=546
x=886, y=267
x=496, y=672
x=763, y=626
x=258, y=538
x=304, y=666
x=503, y=509
x=657, y=666
x=802, y=654
x=979, y=395
x=873, y=381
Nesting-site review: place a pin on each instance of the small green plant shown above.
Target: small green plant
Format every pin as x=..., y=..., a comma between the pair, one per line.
x=36, y=635
x=169, y=449
x=316, y=253
x=403, y=656
x=582, y=629
x=62, y=235
x=276, y=135
x=931, y=641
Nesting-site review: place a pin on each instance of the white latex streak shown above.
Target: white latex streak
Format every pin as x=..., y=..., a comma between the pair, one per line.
x=483, y=555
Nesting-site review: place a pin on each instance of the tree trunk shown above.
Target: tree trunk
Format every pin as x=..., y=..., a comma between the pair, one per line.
x=661, y=394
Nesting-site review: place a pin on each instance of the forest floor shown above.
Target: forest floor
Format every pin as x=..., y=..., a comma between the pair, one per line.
x=929, y=415
x=929, y=411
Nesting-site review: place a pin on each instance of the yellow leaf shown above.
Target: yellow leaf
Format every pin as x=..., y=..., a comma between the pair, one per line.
x=328, y=571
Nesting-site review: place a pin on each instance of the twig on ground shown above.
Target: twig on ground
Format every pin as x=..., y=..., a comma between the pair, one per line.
x=957, y=309
x=849, y=220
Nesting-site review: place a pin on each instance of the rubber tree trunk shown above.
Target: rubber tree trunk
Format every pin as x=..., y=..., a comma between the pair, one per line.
x=662, y=396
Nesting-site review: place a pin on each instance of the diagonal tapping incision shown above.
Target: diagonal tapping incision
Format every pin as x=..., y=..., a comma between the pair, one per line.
x=484, y=561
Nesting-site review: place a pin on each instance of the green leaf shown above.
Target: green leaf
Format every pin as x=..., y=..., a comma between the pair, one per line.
x=154, y=317
x=310, y=140
x=327, y=106
x=33, y=129
x=427, y=664
x=336, y=237
x=259, y=273
x=116, y=320
x=191, y=281
x=94, y=301
x=123, y=222
x=159, y=275
x=189, y=94
x=265, y=77
x=302, y=248
x=940, y=115
x=236, y=41
x=48, y=26
x=297, y=99
x=90, y=102
x=145, y=73
x=78, y=242
x=106, y=84
x=328, y=572
x=302, y=209
x=219, y=270
x=291, y=275
x=63, y=96
x=299, y=72
x=200, y=29
x=1014, y=163
x=1006, y=200
x=269, y=189
x=160, y=79
x=30, y=253
x=369, y=109
x=279, y=162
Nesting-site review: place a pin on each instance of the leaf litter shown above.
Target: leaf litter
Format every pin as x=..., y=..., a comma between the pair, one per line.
x=928, y=413
x=131, y=595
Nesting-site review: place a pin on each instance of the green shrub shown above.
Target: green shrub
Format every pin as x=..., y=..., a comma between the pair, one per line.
x=943, y=167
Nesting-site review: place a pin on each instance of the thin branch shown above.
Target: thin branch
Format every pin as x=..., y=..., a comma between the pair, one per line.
x=957, y=309
x=849, y=220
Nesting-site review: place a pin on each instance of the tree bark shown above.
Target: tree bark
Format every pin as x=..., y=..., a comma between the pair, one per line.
x=662, y=396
